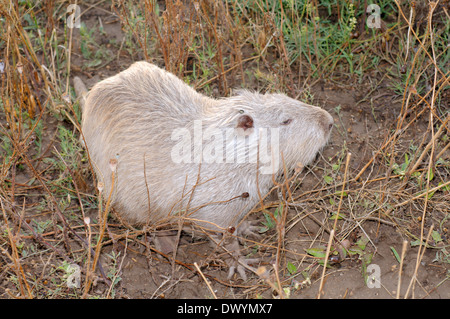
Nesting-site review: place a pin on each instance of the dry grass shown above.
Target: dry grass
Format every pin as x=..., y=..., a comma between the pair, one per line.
x=46, y=191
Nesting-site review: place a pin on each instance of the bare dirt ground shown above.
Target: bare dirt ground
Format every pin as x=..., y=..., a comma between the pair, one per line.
x=365, y=114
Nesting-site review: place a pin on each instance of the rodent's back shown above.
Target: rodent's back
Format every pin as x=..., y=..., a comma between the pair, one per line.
x=146, y=87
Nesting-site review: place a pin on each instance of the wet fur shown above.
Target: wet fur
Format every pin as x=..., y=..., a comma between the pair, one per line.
x=132, y=115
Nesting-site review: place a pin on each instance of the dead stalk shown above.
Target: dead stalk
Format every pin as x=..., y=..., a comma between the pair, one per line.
x=325, y=262
x=399, y=283
x=87, y=222
x=205, y=280
x=103, y=217
x=420, y=254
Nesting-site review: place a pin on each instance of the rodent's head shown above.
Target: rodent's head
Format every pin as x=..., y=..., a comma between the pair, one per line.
x=302, y=129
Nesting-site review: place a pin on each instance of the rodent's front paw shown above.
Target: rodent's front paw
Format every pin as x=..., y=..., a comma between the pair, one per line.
x=249, y=229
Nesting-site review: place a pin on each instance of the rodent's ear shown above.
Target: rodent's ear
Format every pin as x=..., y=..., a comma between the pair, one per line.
x=245, y=125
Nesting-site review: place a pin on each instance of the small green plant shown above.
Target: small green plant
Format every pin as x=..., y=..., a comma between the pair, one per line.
x=113, y=273
x=330, y=175
x=402, y=168
x=292, y=269
x=338, y=253
x=269, y=223
x=41, y=226
x=328, y=179
x=96, y=54
x=320, y=253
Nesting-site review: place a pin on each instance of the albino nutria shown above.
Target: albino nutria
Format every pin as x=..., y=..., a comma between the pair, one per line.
x=205, y=159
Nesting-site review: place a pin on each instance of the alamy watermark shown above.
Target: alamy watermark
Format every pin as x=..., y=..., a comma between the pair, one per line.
x=229, y=145
x=73, y=18
x=374, y=19
x=73, y=273
x=373, y=276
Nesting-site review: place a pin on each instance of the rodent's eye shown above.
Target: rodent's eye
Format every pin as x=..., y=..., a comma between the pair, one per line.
x=286, y=122
x=241, y=111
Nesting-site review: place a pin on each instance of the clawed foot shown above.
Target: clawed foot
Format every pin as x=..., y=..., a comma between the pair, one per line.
x=236, y=261
x=249, y=229
x=240, y=265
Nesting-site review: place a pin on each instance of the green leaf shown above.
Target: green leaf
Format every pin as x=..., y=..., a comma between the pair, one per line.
x=268, y=223
x=362, y=242
x=318, y=252
x=416, y=243
x=416, y=174
x=328, y=179
x=94, y=63
x=430, y=174
x=436, y=236
x=277, y=211
x=291, y=268
x=445, y=188
x=334, y=215
x=340, y=193
x=395, y=254
x=404, y=166
x=430, y=194
x=355, y=251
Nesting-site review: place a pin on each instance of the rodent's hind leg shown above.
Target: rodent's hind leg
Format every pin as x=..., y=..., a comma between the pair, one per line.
x=235, y=260
x=241, y=264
